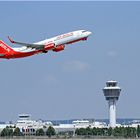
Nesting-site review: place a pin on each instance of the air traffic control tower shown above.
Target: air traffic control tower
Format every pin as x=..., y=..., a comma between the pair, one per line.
x=112, y=93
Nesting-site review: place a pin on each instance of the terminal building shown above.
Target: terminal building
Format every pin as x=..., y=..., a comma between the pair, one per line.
x=27, y=125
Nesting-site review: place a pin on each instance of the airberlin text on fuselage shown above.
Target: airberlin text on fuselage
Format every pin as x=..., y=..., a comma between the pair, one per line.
x=4, y=47
x=64, y=35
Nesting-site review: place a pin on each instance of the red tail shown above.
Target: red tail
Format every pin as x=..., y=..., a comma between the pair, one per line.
x=4, y=48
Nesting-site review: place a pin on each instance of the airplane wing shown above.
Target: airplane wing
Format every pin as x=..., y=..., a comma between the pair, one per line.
x=28, y=45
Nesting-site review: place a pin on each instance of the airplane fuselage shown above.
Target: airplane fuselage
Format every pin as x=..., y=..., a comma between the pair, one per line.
x=55, y=44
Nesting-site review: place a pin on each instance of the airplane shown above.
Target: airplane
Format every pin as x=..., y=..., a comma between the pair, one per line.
x=55, y=44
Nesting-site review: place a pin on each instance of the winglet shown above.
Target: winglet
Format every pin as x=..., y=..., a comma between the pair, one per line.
x=12, y=41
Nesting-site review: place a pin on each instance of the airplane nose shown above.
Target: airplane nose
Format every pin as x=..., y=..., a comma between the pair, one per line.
x=89, y=33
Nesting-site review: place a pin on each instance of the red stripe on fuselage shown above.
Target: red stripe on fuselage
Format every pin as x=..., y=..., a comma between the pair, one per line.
x=85, y=38
x=19, y=54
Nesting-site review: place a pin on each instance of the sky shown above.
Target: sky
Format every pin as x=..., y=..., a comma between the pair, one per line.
x=68, y=84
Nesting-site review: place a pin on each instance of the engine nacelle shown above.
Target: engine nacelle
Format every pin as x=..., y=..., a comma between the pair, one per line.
x=59, y=48
x=49, y=46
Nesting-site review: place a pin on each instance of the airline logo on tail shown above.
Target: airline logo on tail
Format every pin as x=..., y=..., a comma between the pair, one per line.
x=5, y=47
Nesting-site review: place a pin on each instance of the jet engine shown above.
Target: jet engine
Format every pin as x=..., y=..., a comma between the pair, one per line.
x=59, y=48
x=49, y=46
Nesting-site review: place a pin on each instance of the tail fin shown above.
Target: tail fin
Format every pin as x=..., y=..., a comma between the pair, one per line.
x=4, y=48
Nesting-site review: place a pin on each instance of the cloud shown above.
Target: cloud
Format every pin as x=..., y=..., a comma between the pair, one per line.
x=51, y=79
x=75, y=66
x=112, y=53
x=48, y=80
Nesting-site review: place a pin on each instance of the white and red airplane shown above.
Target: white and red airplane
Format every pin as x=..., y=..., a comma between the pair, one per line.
x=55, y=44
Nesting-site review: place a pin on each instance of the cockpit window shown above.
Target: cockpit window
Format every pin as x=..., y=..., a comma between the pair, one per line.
x=83, y=31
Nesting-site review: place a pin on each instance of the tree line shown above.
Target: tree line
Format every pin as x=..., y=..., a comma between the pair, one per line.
x=117, y=132
x=10, y=132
